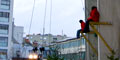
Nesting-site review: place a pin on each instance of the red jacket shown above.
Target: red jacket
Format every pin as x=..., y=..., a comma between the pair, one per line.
x=82, y=26
x=94, y=15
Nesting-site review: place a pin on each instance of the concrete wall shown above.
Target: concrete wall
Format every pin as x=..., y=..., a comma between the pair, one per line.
x=109, y=12
x=90, y=55
x=18, y=33
x=10, y=44
x=18, y=37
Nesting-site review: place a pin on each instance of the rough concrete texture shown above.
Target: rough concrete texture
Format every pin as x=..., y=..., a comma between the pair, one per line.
x=90, y=55
x=110, y=12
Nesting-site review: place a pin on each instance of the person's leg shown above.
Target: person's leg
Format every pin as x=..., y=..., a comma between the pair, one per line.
x=78, y=33
x=86, y=26
x=86, y=29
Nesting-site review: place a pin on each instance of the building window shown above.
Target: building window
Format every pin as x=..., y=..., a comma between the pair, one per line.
x=45, y=38
x=4, y=17
x=3, y=41
x=5, y=4
x=4, y=29
x=83, y=41
x=3, y=55
x=54, y=39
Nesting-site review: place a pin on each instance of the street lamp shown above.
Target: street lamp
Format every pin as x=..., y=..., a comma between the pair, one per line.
x=30, y=56
x=33, y=56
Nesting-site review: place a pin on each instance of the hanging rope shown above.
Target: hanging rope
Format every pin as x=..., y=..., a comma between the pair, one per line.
x=44, y=20
x=82, y=4
x=50, y=20
x=50, y=16
x=32, y=17
x=84, y=8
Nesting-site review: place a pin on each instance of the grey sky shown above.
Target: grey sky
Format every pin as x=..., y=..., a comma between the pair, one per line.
x=65, y=16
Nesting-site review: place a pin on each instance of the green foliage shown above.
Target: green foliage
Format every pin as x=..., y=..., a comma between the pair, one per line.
x=112, y=56
x=54, y=55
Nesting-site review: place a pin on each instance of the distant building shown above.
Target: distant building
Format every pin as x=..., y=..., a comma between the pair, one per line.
x=17, y=40
x=30, y=41
x=6, y=17
x=18, y=32
x=72, y=48
x=46, y=39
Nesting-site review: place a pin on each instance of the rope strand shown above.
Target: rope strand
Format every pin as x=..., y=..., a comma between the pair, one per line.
x=31, y=17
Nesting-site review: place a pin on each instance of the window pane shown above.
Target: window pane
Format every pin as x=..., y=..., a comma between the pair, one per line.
x=3, y=29
x=4, y=14
x=3, y=19
x=5, y=4
x=3, y=41
x=3, y=55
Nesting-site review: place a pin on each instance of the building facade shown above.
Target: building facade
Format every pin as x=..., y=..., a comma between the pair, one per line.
x=17, y=41
x=72, y=48
x=30, y=41
x=18, y=32
x=6, y=17
x=46, y=39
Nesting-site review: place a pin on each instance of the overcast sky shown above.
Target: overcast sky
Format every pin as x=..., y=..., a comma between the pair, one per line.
x=65, y=16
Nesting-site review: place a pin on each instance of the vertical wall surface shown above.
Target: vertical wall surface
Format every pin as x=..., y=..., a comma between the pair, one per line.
x=110, y=12
x=90, y=55
x=10, y=44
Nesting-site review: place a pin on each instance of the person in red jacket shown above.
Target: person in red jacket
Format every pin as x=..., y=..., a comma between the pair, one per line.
x=82, y=28
x=94, y=16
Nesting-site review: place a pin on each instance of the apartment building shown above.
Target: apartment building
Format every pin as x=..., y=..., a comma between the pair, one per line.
x=6, y=17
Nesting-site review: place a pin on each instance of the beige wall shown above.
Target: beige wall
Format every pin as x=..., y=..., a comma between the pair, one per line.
x=110, y=12
x=90, y=55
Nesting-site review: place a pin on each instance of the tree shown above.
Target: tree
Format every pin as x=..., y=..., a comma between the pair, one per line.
x=54, y=54
x=112, y=56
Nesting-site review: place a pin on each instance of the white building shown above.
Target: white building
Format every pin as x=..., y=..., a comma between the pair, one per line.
x=26, y=51
x=45, y=39
x=27, y=47
x=18, y=34
x=6, y=16
x=17, y=40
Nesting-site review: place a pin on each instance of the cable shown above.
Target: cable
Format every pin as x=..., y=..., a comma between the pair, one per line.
x=82, y=4
x=85, y=9
x=50, y=20
x=50, y=16
x=44, y=19
x=31, y=17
